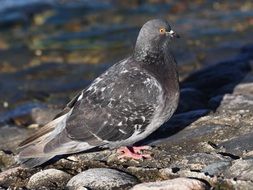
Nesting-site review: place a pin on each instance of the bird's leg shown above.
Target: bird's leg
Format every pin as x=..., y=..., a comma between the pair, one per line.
x=133, y=152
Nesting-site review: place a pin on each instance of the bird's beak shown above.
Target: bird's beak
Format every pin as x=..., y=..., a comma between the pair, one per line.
x=172, y=34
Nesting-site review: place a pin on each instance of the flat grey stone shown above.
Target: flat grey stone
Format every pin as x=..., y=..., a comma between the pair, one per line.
x=101, y=178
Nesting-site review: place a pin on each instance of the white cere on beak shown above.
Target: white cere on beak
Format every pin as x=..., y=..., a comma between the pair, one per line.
x=171, y=32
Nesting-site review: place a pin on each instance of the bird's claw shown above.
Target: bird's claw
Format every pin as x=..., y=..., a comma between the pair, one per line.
x=133, y=152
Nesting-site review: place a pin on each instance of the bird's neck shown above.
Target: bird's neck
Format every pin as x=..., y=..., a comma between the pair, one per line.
x=149, y=56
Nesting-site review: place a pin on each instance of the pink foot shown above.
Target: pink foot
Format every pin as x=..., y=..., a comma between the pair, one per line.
x=133, y=152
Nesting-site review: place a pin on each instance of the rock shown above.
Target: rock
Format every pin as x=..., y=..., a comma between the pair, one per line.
x=200, y=161
x=6, y=159
x=231, y=102
x=213, y=78
x=6, y=174
x=14, y=177
x=143, y=173
x=50, y=179
x=215, y=168
x=177, y=123
x=246, y=87
x=199, y=175
x=28, y=113
x=169, y=173
x=236, y=184
x=11, y=136
x=241, y=170
x=239, y=145
x=215, y=101
x=101, y=178
x=36, y=116
x=177, y=183
x=191, y=99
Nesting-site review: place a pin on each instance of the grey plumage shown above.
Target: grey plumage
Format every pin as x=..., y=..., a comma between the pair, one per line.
x=122, y=106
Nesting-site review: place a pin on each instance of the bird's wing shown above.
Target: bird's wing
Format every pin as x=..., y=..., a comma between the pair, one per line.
x=116, y=105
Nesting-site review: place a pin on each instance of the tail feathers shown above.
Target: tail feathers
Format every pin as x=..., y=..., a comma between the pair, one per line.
x=52, y=128
x=33, y=162
x=33, y=151
x=50, y=142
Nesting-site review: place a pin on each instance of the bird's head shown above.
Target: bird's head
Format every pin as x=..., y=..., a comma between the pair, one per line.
x=154, y=36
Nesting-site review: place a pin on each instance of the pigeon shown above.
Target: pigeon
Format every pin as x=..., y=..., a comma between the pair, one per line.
x=122, y=106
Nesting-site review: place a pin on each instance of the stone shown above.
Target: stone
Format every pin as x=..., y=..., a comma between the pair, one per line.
x=101, y=178
x=200, y=161
x=213, y=78
x=6, y=159
x=177, y=183
x=14, y=177
x=240, y=144
x=50, y=179
x=191, y=99
x=236, y=184
x=177, y=123
x=240, y=170
x=236, y=103
x=29, y=113
x=11, y=136
x=212, y=180
x=216, y=168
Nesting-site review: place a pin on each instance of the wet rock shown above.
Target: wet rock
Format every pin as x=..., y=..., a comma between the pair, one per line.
x=101, y=178
x=241, y=170
x=178, y=183
x=50, y=179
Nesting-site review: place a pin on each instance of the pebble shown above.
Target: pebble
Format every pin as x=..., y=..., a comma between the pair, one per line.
x=50, y=178
x=101, y=178
x=172, y=184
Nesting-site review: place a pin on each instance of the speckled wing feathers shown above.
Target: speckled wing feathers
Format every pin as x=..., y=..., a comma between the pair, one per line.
x=115, y=106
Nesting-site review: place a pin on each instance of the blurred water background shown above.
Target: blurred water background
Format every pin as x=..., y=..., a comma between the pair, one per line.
x=50, y=49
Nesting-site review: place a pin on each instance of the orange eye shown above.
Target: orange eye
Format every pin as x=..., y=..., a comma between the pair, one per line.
x=162, y=30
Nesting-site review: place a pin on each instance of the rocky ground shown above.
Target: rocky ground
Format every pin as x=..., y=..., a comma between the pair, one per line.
x=207, y=143
x=50, y=50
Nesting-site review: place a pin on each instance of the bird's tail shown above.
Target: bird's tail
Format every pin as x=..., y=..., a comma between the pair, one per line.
x=32, y=149
x=49, y=142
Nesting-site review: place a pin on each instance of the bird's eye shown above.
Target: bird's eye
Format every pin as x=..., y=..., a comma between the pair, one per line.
x=162, y=30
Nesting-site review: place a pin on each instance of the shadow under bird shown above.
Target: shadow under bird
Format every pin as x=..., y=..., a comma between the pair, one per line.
x=124, y=105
